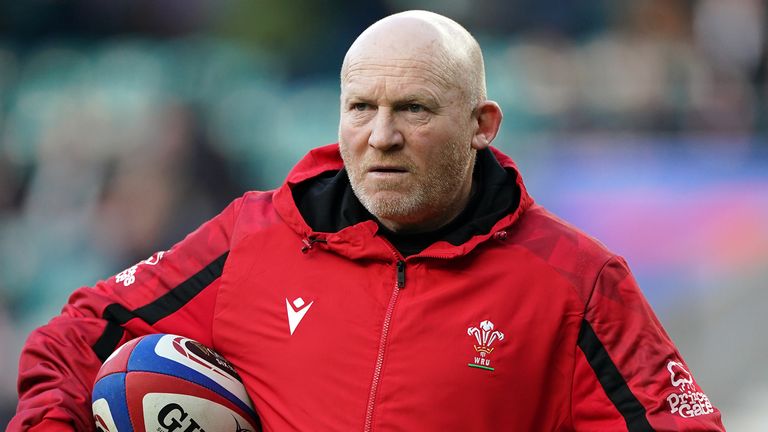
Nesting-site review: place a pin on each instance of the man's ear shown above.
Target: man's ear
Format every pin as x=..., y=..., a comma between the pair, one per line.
x=488, y=116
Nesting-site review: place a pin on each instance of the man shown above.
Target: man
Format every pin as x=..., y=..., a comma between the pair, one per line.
x=402, y=280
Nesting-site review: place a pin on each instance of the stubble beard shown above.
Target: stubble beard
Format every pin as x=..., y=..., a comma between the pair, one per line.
x=433, y=197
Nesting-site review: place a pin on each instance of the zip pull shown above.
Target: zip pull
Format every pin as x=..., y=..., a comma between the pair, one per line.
x=309, y=242
x=401, y=274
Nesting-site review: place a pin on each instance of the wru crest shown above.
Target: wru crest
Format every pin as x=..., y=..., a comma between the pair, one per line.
x=485, y=336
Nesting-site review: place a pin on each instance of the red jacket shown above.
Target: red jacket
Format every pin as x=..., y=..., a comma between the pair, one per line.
x=531, y=326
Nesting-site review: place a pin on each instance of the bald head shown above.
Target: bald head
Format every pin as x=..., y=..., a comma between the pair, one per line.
x=444, y=47
x=413, y=115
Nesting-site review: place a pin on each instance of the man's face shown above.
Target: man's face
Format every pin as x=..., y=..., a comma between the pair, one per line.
x=405, y=136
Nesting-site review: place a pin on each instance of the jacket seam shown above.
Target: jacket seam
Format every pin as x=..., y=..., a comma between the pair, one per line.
x=576, y=348
x=235, y=218
x=594, y=284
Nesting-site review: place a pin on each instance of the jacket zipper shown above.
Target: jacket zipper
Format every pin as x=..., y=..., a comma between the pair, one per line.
x=399, y=284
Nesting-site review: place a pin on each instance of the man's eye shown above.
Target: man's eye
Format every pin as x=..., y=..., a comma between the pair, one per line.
x=414, y=108
x=360, y=106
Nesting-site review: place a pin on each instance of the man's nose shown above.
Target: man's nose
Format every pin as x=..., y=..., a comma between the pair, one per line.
x=385, y=134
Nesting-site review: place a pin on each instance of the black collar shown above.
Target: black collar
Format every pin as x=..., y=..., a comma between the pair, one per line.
x=328, y=204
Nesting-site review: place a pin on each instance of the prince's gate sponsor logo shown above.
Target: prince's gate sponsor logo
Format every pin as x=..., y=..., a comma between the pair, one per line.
x=687, y=402
x=128, y=276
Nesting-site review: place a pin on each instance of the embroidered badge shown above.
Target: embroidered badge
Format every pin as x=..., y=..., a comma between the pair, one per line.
x=485, y=335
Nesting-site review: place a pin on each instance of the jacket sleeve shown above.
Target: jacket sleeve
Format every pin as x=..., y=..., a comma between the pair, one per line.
x=628, y=374
x=172, y=291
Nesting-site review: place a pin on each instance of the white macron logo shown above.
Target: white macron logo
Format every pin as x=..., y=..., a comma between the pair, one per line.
x=296, y=312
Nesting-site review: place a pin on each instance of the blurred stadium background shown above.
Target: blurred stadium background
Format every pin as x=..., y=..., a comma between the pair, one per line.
x=125, y=124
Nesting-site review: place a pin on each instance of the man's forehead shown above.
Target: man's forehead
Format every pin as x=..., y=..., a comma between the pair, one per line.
x=413, y=47
x=382, y=92
x=400, y=70
x=407, y=42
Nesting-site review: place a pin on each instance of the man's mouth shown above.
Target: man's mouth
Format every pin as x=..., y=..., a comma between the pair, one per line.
x=382, y=169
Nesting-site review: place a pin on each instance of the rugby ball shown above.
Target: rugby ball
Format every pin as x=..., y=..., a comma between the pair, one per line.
x=169, y=383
